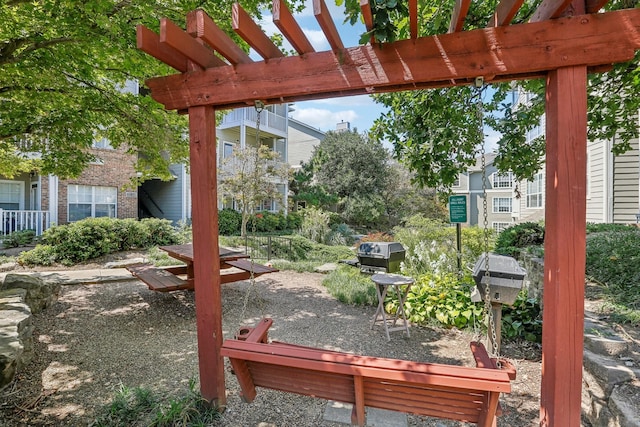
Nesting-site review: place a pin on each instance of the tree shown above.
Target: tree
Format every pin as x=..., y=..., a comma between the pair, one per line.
x=348, y=163
x=63, y=67
x=249, y=177
x=354, y=168
x=435, y=132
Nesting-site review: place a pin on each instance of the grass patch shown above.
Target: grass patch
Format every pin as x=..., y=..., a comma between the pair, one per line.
x=140, y=407
x=349, y=286
x=297, y=266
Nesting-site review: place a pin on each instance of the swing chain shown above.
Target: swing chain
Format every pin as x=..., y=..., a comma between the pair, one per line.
x=479, y=84
x=259, y=106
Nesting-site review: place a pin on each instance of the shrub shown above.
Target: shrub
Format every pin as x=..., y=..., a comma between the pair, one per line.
x=511, y=240
x=613, y=258
x=601, y=227
x=18, y=238
x=40, y=255
x=340, y=235
x=523, y=319
x=378, y=237
x=93, y=237
x=229, y=222
x=294, y=221
x=440, y=298
x=315, y=224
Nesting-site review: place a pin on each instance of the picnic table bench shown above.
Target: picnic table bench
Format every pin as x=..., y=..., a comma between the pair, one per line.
x=167, y=279
x=431, y=389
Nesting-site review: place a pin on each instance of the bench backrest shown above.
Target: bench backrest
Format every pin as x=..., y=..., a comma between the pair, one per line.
x=445, y=391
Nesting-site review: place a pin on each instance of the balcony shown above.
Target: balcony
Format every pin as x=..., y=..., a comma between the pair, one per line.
x=12, y=221
x=269, y=121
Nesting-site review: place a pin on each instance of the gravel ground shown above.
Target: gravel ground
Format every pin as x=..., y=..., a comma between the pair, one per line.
x=97, y=337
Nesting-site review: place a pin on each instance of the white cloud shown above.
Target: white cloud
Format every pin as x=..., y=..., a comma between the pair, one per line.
x=322, y=118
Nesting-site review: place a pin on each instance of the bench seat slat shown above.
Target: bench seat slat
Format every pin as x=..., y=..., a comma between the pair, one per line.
x=247, y=265
x=159, y=279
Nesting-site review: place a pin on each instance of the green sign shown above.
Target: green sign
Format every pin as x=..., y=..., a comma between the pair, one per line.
x=457, y=208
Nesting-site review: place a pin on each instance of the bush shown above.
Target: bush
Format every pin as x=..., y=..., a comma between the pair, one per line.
x=602, y=227
x=511, y=240
x=94, y=237
x=340, y=235
x=315, y=224
x=40, y=255
x=229, y=222
x=440, y=298
x=523, y=319
x=18, y=238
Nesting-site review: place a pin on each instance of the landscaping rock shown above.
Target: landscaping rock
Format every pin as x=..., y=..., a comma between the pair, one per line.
x=326, y=268
x=16, y=342
x=124, y=262
x=40, y=293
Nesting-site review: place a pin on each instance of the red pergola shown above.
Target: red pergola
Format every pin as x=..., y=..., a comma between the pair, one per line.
x=563, y=41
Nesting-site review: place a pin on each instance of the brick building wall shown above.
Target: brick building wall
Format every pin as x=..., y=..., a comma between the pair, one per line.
x=115, y=169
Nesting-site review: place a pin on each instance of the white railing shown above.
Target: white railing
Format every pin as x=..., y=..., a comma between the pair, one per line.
x=12, y=221
x=268, y=119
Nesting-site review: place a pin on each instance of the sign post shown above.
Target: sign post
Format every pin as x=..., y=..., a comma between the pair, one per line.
x=458, y=215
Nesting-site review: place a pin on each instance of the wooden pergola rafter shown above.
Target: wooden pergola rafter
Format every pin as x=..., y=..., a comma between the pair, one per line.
x=561, y=42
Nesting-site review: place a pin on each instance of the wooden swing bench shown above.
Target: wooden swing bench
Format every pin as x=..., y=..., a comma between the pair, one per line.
x=430, y=389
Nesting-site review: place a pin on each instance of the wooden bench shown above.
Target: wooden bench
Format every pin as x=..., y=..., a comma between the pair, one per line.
x=161, y=279
x=165, y=279
x=431, y=389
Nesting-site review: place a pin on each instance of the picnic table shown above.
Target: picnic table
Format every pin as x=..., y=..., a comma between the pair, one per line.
x=236, y=266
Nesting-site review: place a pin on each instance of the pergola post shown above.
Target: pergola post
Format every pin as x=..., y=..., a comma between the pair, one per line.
x=204, y=199
x=565, y=251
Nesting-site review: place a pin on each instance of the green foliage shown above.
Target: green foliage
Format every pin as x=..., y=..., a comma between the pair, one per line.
x=441, y=298
x=349, y=286
x=294, y=221
x=40, y=255
x=431, y=245
x=340, y=235
x=250, y=176
x=523, y=319
x=511, y=240
x=18, y=238
x=601, y=227
x=62, y=67
x=139, y=406
x=613, y=260
x=315, y=224
x=229, y=221
x=93, y=237
x=378, y=237
x=364, y=211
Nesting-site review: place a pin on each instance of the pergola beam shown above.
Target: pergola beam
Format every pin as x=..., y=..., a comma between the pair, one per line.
x=505, y=12
x=200, y=25
x=516, y=51
x=550, y=9
x=252, y=34
x=459, y=14
x=289, y=28
x=176, y=38
x=326, y=24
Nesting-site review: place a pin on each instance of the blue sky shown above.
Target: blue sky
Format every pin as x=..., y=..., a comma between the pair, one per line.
x=324, y=114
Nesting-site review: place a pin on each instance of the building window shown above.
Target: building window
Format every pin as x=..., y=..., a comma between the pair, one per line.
x=456, y=183
x=102, y=143
x=534, y=192
x=87, y=201
x=502, y=180
x=11, y=195
x=502, y=205
x=500, y=226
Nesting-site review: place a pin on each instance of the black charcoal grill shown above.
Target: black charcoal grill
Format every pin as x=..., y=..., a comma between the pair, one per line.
x=380, y=257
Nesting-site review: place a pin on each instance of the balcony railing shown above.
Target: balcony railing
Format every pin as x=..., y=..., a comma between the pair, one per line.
x=12, y=221
x=268, y=119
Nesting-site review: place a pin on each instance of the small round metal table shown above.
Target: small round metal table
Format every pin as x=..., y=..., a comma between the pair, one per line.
x=397, y=282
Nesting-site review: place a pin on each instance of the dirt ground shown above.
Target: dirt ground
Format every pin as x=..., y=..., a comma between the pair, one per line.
x=98, y=337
